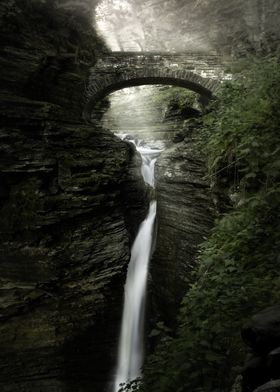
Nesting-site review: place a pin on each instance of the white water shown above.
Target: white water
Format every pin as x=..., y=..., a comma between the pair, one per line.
x=131, y=344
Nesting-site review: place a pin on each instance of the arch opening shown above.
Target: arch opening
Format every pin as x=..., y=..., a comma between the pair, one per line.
x=100, y=93
x=148, y=112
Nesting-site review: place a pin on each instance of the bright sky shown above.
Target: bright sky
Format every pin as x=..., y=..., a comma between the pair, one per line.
x=118, y=24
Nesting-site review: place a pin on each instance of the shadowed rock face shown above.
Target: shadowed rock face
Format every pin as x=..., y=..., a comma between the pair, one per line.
x=71, y=198
x=185, y=216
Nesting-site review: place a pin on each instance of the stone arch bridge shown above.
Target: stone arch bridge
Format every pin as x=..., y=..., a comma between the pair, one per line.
x=199, y=72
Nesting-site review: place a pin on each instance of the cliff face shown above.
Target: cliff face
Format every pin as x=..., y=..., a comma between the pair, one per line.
x=185, y=216
x=71, y=199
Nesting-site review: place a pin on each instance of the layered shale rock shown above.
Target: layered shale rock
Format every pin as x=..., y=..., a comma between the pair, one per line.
x=71, y=198
x=185, y=216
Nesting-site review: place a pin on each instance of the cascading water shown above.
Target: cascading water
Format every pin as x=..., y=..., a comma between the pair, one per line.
x=130, y=355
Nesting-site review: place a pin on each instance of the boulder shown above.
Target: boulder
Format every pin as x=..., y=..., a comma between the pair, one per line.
x=271, y=386
x=262, y=335
x=262, y=332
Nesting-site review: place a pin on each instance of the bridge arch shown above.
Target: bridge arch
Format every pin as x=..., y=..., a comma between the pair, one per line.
x=197, y=72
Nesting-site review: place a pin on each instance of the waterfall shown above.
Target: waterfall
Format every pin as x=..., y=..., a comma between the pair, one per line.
x=131, y=343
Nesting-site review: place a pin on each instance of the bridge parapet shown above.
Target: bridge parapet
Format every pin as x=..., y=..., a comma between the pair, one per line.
x=205, y=64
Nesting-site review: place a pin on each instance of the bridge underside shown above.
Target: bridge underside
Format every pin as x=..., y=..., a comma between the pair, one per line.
x=99, y=94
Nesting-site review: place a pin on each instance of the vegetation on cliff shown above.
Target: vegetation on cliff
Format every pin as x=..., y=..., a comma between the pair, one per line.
x=237, y=272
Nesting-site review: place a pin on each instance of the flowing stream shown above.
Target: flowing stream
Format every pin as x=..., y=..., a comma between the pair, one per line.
x=131, y=343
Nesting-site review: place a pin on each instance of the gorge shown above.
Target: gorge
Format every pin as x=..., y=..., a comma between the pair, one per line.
x=130, y=357
x=197, y=82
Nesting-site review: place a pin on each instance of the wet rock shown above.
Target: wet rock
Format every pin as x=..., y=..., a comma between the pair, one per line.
x=262, y=335
x=273, y=363
x=185, y=216
x=254, y=373
x=271, y=386
x=179, y=137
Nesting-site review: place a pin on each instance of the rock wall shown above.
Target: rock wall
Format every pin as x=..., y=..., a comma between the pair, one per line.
x=185, y=216
x=71, y=198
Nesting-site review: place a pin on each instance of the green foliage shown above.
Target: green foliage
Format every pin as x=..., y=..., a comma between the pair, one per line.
x=175, y=96
x=243, y=129
x=238, y=266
